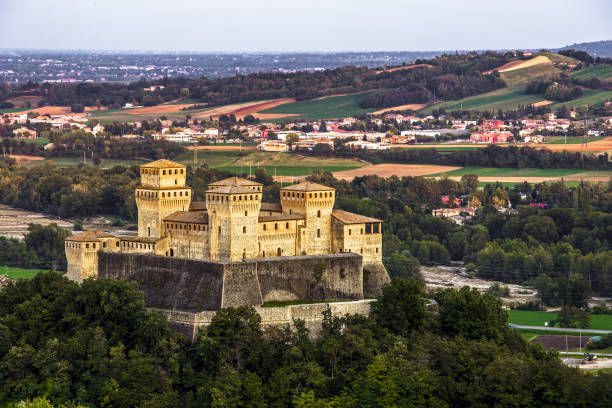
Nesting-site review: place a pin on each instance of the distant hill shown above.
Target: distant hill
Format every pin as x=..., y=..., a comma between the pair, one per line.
x=596, y=48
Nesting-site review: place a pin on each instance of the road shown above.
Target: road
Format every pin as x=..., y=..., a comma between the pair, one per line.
x=562, y=329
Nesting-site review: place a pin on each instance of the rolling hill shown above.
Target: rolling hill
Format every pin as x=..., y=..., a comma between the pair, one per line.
x=595, y=48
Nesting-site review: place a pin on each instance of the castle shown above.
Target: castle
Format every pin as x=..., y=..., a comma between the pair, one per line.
x=232, y=249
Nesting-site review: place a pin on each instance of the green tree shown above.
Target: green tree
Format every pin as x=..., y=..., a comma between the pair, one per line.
x=291, y=139
x=400, y=307
x=468, y=313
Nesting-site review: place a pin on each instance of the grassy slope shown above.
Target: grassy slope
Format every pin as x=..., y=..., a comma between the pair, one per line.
x=327, y=108
x=505, y=99
x=590, y=97
x=603, y=72
x=524, y=75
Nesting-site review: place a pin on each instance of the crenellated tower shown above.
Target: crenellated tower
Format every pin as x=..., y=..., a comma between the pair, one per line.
x=233, y=212
x=162, y=192
x=315, y=202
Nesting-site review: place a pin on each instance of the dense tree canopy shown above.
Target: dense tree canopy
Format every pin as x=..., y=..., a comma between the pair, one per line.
x=94, y=344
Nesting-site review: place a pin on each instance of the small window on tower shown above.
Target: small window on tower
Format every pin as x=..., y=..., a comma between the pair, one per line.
x=244, y=230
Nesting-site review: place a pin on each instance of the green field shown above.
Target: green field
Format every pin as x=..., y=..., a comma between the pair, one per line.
x=589, y=97
x=17, y=273
x=603, y=72
x=326, y=108
x=504, y=99
x=510, y=172
x=575, y=140
x=532, y=318
x=285, y=164
x=111, y=115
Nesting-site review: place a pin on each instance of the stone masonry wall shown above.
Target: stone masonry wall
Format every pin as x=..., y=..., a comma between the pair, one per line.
x=188, y=324
x=167, y=282
x=194, y=285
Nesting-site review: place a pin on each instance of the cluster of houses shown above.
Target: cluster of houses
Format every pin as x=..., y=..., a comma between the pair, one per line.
x=273, y=137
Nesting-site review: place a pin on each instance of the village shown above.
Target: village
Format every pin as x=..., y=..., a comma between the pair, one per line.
x=372, y=132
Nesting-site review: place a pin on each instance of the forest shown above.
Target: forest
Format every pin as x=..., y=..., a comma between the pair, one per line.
x=95, y=345
x=451, y=76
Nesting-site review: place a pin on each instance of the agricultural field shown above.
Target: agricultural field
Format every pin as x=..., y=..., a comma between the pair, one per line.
x=282, y=164
x=331, y=107
x=504, y=99
x=17, y=273
x=509, y=172
x=603, y=72
x=574, y=140
x=533, y=318
x=589, y=97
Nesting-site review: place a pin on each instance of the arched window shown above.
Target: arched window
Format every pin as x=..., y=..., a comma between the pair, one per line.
x=278, y=252
x=246, y=213
x=275, y=225
x=244, y=230
x=264, y=227
x=287, y=225
x=318, y=233
x=219, y=229
x=171, y=252
x=319, y=213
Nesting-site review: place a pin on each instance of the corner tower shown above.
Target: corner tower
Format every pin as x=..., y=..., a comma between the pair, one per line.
x=315, y=202
x=162, y=192
x=233, y=212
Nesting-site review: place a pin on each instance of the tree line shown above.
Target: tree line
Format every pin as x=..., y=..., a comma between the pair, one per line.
x=95, y=345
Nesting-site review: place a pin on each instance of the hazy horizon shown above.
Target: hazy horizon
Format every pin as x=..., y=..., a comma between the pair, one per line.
x=316, y=26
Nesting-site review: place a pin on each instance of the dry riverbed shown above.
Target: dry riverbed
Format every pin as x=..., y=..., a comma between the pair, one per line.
x=14, y=222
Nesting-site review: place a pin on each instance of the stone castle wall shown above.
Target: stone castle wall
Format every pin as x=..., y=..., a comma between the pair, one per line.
x=194, y=285
x=312, y=314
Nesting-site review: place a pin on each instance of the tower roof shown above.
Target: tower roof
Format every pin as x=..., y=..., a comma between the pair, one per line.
x=308, y=186
x=232, y=190
x=162, y=164
x=89, y=236
x=235, y=181
x=351, y=218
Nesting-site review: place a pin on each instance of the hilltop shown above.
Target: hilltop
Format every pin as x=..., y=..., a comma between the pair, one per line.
x=472, y=81
x=595, y=48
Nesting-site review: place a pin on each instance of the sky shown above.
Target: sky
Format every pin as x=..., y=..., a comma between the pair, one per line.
x=301, y=25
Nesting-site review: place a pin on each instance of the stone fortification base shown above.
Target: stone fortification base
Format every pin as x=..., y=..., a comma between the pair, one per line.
x=188, y=323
